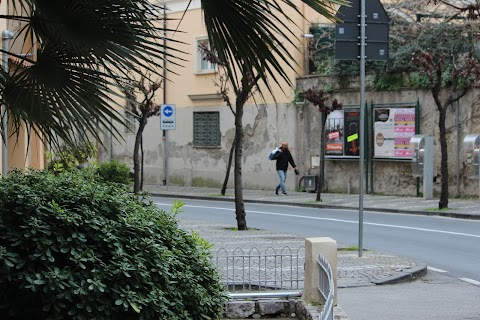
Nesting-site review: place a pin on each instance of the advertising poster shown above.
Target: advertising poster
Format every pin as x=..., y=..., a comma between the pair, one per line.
x=334, y=133
x=352, y=132
x=393, y=128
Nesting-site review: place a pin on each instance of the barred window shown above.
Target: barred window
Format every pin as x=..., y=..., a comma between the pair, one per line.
x=130, y=121
x=206, y=129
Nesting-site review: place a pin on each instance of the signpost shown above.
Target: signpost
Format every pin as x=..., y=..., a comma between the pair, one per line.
x=167, y=117
x=355, y=39
x=167, y=122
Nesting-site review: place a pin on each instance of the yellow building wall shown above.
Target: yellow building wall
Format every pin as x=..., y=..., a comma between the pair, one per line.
x=23, y=151
x=185, y=82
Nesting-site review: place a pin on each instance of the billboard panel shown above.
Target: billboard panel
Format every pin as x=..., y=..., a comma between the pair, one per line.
x=393, y=128
x=343, y=133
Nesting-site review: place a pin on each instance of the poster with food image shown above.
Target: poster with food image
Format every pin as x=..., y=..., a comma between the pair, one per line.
x=393, y=129
x=334, y=133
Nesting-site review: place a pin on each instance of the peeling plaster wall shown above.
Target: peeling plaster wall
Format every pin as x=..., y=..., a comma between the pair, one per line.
x=265, y=126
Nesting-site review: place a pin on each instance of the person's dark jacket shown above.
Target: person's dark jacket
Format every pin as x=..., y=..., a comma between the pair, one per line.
x=283, y=158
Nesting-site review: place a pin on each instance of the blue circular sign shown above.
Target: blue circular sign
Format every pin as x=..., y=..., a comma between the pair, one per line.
x=168, y=111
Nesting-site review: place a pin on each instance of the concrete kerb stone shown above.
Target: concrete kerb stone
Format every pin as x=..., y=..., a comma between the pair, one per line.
x=404, y=276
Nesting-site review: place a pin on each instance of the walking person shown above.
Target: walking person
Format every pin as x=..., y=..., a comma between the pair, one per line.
x=283, y=157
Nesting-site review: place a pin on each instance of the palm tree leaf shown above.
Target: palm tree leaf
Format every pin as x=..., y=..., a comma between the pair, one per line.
x=252, y=35
x=84, y=49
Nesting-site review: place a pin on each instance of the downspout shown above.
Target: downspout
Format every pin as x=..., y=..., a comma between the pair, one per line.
x=6, y=36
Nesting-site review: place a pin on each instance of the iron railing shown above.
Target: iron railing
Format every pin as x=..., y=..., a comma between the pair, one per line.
x=272, y=269
x=326, y=288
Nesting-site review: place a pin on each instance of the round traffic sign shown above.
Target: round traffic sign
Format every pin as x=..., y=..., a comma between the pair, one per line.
x=168, y=111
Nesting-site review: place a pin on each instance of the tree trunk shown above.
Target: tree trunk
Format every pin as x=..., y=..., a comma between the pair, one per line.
x=239, y=203
x=443, y=203
x=229, y=166
x=323, y=118
x=136, y=156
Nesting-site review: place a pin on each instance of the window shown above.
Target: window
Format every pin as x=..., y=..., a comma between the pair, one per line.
x=202, y=65
x=130, y=121
x=206, y=129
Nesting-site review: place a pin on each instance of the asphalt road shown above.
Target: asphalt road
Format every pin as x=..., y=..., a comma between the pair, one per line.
x=447, y=245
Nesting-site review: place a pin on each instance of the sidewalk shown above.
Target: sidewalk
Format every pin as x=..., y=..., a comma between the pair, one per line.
x=374, y=268
x=457, y=208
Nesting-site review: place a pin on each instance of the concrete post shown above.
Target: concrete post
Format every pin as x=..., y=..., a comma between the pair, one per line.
x=327, y=247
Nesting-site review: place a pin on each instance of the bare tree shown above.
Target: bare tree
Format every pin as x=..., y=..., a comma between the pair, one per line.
x=142, y=111
x=317, y=97
x=248, y=85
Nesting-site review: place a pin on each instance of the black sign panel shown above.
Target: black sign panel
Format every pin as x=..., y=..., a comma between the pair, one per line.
x=347, y=34
x=350, y=50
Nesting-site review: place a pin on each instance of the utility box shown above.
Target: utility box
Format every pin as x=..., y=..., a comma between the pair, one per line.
x=310, y=183
x=423, y=162
x=471, y=151
x=418, y=142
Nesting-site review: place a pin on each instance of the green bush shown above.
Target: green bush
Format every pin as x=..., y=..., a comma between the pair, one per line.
x=114, y=171
x=72, y=247
x=69, y=157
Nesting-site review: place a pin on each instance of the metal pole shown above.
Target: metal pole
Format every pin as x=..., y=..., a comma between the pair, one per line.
x=165, y=140
x=6, y=36
x=111, y=139
x=362, y=127
x=457, y=128
x=166, y=158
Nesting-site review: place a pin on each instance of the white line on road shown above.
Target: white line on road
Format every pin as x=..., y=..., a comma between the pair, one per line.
x=475, y=282
x=436, y=269
x=334, y=220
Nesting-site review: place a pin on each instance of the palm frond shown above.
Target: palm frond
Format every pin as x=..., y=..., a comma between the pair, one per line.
x=84, y=48
x=252, y=35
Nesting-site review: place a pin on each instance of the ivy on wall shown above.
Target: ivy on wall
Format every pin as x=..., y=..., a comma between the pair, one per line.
x=399, y=71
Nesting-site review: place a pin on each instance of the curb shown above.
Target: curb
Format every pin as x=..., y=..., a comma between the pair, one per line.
x=325, y=206
x=405, y=276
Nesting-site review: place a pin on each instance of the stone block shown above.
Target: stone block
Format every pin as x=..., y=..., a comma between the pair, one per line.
x=271, y=307
x=239, y=309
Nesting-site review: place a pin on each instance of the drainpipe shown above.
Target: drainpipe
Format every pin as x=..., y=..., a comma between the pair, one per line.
x=6, y=36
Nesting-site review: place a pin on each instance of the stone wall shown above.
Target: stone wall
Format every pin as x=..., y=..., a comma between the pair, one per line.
x=388, y=176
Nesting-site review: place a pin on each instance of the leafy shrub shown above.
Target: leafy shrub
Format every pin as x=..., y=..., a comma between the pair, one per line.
x=69, y=157
x=114, y=171
x=72, y=247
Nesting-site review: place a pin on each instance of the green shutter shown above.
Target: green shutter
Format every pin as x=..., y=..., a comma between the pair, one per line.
x=206, y=129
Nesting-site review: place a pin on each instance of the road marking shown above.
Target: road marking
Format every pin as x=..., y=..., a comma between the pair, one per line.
x=436, y=269
x=474, y=282
x=334, y=220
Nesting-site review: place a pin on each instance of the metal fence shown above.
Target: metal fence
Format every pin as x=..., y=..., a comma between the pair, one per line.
x=272, y=269
x=326, y=288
